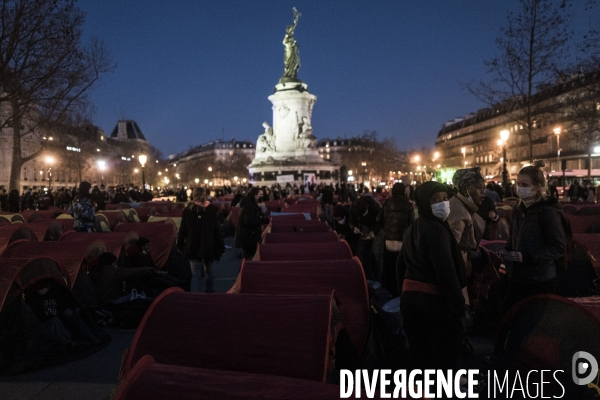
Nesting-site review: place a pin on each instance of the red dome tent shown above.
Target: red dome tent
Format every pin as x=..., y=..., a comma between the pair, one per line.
x=345, y=277
x=242, y=333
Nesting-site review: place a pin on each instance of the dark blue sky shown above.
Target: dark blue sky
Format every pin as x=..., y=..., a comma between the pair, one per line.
x=187, y=70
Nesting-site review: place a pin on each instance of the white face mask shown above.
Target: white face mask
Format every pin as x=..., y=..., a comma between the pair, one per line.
x=524, y=192
x=441, y=210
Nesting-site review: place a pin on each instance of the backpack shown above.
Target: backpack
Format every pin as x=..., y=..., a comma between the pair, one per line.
x=564, y=260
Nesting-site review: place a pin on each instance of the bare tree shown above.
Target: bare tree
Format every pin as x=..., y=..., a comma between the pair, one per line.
x=45, y=70
x=530, y=48
x=583, y=116
x=582, y=108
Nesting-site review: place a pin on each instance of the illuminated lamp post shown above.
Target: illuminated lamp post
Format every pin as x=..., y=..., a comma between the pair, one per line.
x=49, y=162
x=143, y=160
x=101, y=168
x=504, y=134
x=557, y=131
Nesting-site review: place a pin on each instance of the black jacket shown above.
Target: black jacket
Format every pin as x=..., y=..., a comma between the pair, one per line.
x=248, y=232
x=395, y=216
x=366, y=223
x=430, y=254
x=200, y=234
x=537, y=233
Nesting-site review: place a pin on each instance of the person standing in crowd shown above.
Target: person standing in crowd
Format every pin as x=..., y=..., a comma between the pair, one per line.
x=536, y=238
x=487, y=211
x=200, y=240
x=492, y=194
x=466, y=225
x=27, y=200
x=99, y=197
x=363, y=221
x=341, y=225
x=13, y=201
x=553, y=189
x=430, y=274
x=589, y=192
x=4, y=200
x=83, y=210
x=248, y=232
x=575, y=192
x=396, y=215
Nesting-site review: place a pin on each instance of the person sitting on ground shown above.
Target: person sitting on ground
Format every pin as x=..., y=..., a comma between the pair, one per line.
x=109, y=280
x=140, y=257
x=54, y=232
x=56, y=308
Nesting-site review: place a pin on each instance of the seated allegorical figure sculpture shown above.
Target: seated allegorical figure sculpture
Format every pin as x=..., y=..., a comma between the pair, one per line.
x=266, y=141
x=305, y=138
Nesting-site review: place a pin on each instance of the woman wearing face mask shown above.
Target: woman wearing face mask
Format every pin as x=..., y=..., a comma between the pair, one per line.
x=430, y=274
x=536, y=238
x=466, y=225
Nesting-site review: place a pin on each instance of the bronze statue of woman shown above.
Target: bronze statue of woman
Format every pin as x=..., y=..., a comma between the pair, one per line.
x=291, y=57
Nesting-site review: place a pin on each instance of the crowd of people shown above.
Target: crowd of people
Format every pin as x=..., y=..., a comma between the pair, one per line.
x=421, y=242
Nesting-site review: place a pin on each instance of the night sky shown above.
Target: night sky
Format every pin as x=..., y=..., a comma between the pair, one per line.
x=193, y=71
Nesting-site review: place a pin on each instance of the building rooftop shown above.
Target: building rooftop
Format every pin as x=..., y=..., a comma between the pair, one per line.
x=127, y=129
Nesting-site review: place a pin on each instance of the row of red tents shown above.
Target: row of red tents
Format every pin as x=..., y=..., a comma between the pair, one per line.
x=277, y=327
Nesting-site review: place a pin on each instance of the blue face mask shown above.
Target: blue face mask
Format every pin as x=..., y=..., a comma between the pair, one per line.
x=441, y=210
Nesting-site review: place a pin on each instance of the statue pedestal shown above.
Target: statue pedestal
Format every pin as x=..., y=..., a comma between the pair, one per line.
x=295, y=151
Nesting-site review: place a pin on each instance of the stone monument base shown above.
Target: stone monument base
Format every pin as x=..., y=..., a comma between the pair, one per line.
x=292, y=172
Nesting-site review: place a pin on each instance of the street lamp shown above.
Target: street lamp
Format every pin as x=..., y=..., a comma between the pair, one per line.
x=557, y=131
x=504, y=134
x=143, y=160
x=102, y=168
x=197, y=181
